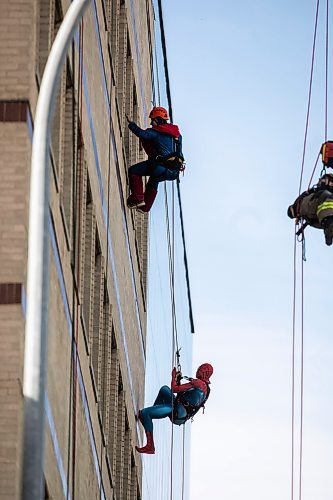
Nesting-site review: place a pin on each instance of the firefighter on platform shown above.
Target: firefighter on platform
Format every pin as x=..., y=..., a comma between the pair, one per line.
x=315, y=205
x=190, y=397
x=163, y=144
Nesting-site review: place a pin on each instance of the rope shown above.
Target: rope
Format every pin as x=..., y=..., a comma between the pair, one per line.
x=326, y=67
x=293, y=373
x=309, y=97
x=171, y=250
x=313, y=171
x=168, y=91
x=302, y=267
x=171, y=247
x=302, y=375
x=183, y=465
x=293, y=392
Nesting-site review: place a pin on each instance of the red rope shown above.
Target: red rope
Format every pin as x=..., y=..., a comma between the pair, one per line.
x=293, y=392
x=314, y=169
x=302, y=267
x=309, y=98
x=326, y=68
x=293, y=373
x=302, y=376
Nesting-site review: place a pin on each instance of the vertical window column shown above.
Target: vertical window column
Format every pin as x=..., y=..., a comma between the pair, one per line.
x=135, y=140
x=56, y=17
x=113, y=14
x=128, y=136
x=120, y=441
x=43, y=35
x=106, y=345
x=56, y=126
x=87, y=283
x=113, y=410
x=96, y=332
x=122, y=59
x=127, y=463
x=134, y=480
x=67, y=147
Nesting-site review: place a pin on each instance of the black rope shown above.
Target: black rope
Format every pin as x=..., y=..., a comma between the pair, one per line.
x=168, y=91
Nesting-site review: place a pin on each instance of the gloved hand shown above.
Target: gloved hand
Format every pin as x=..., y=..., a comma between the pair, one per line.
x=291, y=212
x=177, y=375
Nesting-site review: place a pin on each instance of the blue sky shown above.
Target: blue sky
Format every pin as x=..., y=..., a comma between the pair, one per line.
x=239, y=79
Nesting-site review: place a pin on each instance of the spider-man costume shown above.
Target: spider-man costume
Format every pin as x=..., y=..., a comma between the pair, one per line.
x=191, y=395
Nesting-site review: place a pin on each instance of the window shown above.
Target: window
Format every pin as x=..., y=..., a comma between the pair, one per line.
x=88, y=263
x=106, y=347
x=113, y=409
x=67, y=148
x=127, y=461
x=50, y=18
x=129, y=110
x=120, y=441
x=112, y=8
x=122, y=63
x=96, y=331
x=134, y=479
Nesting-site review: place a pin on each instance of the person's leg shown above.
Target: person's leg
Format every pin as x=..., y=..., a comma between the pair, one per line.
x=325, y=215
x=135, y=174
x=162, y=408
x=142, y=168
x=161, y=173
x=158, y=174
x=164, y=396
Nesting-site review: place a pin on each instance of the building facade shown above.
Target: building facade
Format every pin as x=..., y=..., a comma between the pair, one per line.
x=98, y=248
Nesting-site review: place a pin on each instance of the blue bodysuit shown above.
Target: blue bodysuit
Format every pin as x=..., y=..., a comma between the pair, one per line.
x=168, y=405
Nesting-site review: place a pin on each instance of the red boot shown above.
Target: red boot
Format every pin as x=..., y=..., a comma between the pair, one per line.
x=149, y=448
x=136, y=199
x=150, y=195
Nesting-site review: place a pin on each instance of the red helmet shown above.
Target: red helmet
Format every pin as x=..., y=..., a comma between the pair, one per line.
x=161, y=112
x=204, y=372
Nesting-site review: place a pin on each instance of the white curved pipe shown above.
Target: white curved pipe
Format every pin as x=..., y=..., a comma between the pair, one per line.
x=36, y=328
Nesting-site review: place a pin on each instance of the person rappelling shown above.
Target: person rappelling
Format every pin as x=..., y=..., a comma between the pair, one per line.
x=163, y=144
x=315, y=205
x=190, y=397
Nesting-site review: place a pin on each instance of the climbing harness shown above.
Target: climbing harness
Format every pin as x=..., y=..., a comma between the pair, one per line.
x=191, y=410
x=174, y=160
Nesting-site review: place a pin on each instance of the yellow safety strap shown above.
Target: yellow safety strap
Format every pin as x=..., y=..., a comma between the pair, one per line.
x=326, y=205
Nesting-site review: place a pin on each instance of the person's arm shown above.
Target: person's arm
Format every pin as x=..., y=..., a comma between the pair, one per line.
x=195, y=383
x=293, y=209
x=139, y=132
x=180, y=142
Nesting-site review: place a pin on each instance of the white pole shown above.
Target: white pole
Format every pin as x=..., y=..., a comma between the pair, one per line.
x=36, y=330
